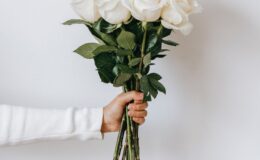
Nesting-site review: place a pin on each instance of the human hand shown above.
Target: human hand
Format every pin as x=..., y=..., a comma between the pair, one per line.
x=113, y=112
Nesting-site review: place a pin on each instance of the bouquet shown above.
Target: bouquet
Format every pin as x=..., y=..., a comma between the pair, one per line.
x=129, y=35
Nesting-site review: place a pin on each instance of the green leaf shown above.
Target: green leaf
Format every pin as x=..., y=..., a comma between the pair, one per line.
x=147, y=59
x=159, y=56
x=86, y=50
x=126, y=40
x=120, y=59
x=154, y=76
x=157, y=48
x=146, y=70
x=169, y=42
x=147, y=98
x=127, y=69
x=165, y=32
x=105, y=27
x=121, y=79
x=108, y=39
x=123, y=52
x=104, y=49
x=105, y=75
x=136, y=28
x=145, y=85
x=134, y=62
x=105, y=37
x=105, y=60
x=105, y=63
x=153, y=92
x=157, y=85
x=76, y=21
x=116, y=70
x=164, y=50
x=151, y=42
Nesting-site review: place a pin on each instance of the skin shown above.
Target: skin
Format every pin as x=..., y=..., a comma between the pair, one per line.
x=113, y=112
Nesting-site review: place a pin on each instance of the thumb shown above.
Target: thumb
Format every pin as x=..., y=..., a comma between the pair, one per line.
x=127, y=97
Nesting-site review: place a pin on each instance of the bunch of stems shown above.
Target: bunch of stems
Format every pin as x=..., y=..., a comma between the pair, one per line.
x=129, y=129
x=129, y=133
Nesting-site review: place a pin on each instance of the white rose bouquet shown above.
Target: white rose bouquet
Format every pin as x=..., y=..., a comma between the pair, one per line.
x=130, y=34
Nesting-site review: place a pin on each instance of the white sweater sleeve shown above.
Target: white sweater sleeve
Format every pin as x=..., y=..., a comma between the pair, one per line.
x=19, y=125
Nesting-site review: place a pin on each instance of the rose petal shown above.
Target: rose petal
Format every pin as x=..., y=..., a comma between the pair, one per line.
x=86, y=9
x=114, y=12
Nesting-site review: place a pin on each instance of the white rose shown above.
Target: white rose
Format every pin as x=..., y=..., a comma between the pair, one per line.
x=189, y=6
x=175, y=15
x=145, y=10
x=113, y=11
x=86, y=9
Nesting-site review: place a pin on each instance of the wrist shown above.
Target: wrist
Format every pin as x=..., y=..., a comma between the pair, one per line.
x=107, y=125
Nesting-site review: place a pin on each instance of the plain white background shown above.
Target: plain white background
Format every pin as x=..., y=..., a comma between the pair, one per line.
x=212, y=107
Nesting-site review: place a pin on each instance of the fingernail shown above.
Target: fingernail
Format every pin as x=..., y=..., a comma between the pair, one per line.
x=129, y=113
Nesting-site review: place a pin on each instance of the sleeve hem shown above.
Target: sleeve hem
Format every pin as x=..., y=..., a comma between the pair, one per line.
x=96, y=118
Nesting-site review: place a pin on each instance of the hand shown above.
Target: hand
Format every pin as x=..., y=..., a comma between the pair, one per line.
x=113, y=112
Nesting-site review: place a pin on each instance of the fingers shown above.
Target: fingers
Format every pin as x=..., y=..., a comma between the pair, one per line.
x=138, y=107
x=125, y=98
x=138, y=101
x=138, y=112
x=139, y=120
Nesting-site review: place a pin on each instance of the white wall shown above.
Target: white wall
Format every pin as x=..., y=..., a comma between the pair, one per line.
x=211, y=110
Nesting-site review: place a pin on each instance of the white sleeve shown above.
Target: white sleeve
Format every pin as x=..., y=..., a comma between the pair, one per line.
x=19, y=125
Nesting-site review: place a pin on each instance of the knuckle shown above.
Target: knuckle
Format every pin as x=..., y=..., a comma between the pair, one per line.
x=140, y=114
x=132, y=113
x=138, y=107
x=134, y=93
x=137, y=94
x=145, y=106
x=130, y=106
x=119, y=96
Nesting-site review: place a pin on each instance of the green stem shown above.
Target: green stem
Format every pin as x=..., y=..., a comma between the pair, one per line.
x=142, y=56
x=129, y=135
x=128, y=129
x=124, y=152
x=160, y=29
x=120, y=136
x=120, y=139
x=126, y=147
x=136, y=140
x=137, y=87
x=133, y=136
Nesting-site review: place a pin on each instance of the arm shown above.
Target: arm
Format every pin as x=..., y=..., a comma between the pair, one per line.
x=19, y=125
x=25, y=125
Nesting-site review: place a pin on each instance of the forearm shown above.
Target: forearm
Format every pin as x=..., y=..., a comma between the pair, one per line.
x=20, y=125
